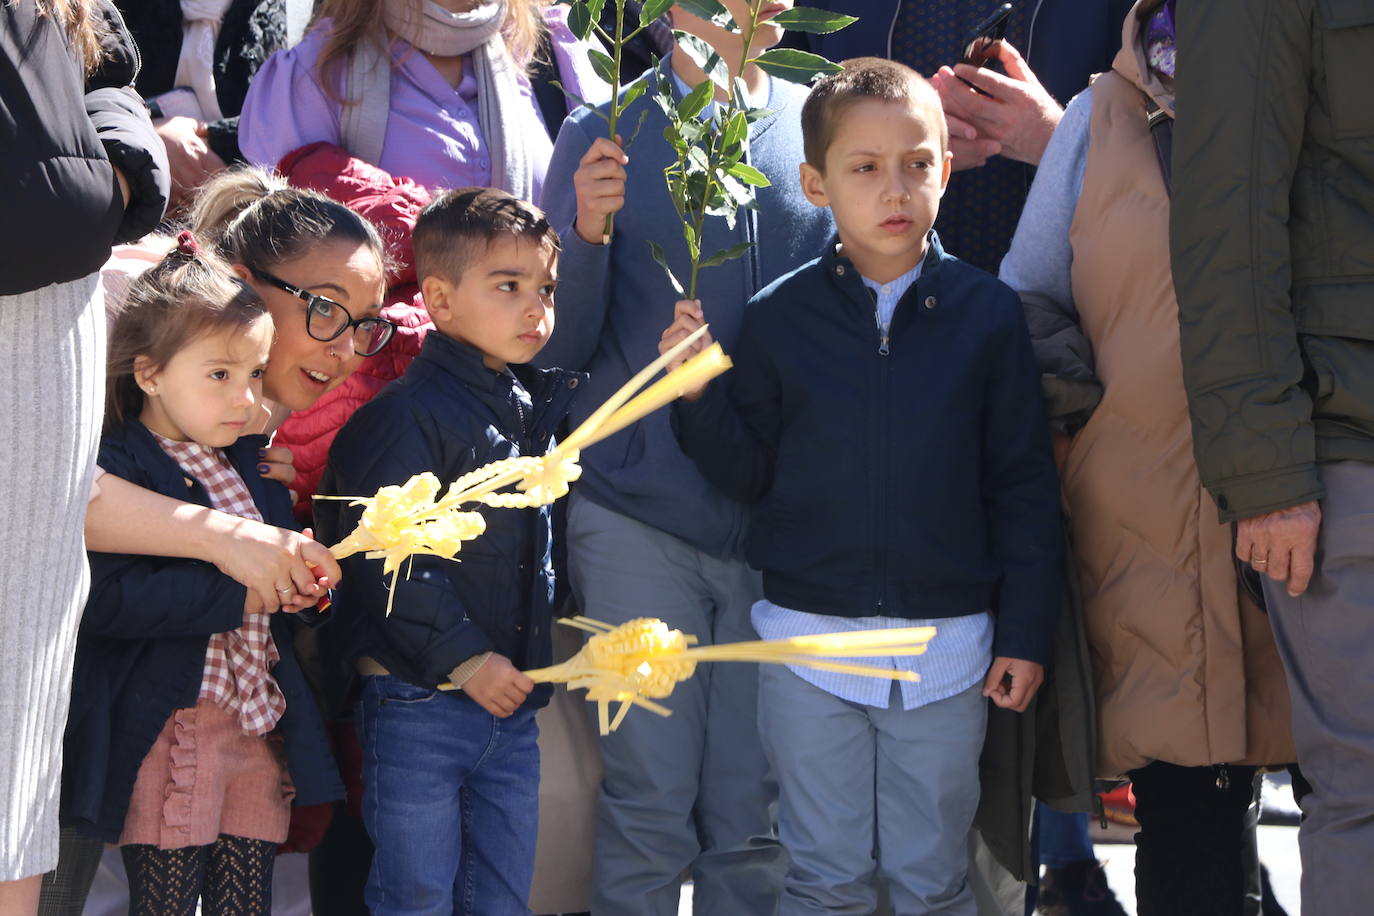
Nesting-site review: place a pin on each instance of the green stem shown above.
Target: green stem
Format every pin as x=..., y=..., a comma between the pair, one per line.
x=713, y=156
x=619, y=45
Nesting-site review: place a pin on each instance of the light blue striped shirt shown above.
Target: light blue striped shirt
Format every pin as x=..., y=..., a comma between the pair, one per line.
x=956, y=659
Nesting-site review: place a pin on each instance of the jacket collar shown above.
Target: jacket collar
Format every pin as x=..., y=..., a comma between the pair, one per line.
x=842, y=271
x=169, y=478
x=551, y=390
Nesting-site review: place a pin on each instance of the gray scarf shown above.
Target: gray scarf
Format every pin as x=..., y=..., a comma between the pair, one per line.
x=504, y=115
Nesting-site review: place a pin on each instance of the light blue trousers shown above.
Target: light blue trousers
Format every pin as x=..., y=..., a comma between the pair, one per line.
x=691, y=793
x=868, y=793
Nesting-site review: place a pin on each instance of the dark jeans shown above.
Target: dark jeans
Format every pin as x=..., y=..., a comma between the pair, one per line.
x=451, y=802
x=1189, y=851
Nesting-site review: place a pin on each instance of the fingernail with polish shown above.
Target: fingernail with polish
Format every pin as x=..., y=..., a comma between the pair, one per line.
x=264, y=468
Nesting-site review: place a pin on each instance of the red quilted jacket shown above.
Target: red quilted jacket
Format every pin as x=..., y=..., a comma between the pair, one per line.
x=392, y=204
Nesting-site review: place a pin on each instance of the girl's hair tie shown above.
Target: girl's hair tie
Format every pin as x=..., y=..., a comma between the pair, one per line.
x=188, y=249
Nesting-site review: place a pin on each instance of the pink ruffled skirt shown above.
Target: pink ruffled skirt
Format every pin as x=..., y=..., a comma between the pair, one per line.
x=204, y=777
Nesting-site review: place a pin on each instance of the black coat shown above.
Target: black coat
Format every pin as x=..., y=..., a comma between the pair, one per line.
x=59, y=134
x=448, y=414
x=250, y=32
x=140, y=653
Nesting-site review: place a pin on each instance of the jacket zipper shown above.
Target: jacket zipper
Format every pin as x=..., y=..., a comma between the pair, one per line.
x=885, y=386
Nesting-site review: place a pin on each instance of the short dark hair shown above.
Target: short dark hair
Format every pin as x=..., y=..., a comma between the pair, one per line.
x=459, y=224
x=862, y=78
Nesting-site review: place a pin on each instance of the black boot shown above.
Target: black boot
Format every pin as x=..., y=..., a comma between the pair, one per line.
x=1189, y=858
x=1079, y=889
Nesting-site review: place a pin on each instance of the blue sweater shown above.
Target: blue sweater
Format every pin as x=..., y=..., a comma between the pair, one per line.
x=614, y=302
x=900, y=476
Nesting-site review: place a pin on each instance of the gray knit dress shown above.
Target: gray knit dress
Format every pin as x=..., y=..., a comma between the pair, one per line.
x=52, y=382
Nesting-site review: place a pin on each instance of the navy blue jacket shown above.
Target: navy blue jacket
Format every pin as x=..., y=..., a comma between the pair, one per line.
x=448, y=414
x=140, y=653
x=910, y=477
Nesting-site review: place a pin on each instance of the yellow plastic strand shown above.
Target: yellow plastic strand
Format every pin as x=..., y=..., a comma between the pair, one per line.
x=401, y=521
x=643, y=660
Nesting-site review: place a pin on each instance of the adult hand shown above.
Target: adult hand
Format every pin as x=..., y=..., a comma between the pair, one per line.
x=277, y=463
x=687, y=319
x=1012, y=682
x=1020, y=116
x=498, y=686
x=970, y=151
x=188, y=154
x=274, y=563
x=1282, y=544
x=600, y=186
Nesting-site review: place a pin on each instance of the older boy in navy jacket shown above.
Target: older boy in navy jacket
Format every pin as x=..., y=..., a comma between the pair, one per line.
x=884, y=423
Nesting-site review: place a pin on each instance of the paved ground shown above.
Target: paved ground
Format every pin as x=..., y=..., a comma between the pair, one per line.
x=1278, y=851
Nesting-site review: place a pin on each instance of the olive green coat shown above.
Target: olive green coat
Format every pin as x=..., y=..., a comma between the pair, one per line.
x=1272, y=233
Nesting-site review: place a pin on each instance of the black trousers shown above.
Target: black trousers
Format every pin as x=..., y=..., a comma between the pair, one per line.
x=1190, y=849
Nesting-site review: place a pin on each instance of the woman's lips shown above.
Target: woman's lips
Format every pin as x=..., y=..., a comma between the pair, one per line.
x=313, y=382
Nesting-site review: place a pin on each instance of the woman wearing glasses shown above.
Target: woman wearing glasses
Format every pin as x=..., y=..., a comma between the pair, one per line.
x=320, y=268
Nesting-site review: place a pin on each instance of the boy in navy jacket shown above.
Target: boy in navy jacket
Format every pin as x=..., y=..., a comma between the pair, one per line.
x=884, y=423
x=451, y=778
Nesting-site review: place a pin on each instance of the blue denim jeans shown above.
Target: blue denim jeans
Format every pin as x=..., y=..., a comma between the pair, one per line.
x=451, y=801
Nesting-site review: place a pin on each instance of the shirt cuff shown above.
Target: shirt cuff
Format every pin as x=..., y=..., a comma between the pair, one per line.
x=464, y=672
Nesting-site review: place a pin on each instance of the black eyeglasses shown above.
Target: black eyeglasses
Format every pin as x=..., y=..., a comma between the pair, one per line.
x=326, y=319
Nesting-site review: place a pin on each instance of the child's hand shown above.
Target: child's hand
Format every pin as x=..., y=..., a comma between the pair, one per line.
x=600, y=185
x=687, y=318
x=498, y=686
x=1012, y=682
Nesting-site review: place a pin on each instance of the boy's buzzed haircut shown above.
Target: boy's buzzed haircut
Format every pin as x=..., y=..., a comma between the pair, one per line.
x=460, y=223
x=862, y=78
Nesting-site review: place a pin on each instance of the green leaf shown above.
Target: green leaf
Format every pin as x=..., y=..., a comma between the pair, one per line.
x=806, y=19
x=705, y=57
x=736, y=129
x=580, y=20
x=594, y=7
x=727, y=254
x=653, y=9
x=603, y=65
x=643, y=113
x=632, y=92
x=749, y=175
x=657, y=251
x=690, y=236
x=694, y=102
x=711, y=10
x=795, y=66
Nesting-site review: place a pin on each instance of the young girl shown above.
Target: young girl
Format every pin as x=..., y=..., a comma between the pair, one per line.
x=192, y=727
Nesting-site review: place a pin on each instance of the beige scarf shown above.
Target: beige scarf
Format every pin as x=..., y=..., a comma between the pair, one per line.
x=196, y=66
x=501, y=105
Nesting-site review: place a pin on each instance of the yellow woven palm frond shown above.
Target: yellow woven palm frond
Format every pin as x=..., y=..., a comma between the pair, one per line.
x=401, y=521
x=642, y=660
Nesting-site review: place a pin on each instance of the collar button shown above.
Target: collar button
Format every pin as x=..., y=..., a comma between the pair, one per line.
x=839, y=270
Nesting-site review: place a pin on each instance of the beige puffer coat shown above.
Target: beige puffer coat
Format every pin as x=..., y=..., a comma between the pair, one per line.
x=1184, y=664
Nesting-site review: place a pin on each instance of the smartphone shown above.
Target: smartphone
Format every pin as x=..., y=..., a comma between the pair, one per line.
x=979, y=48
